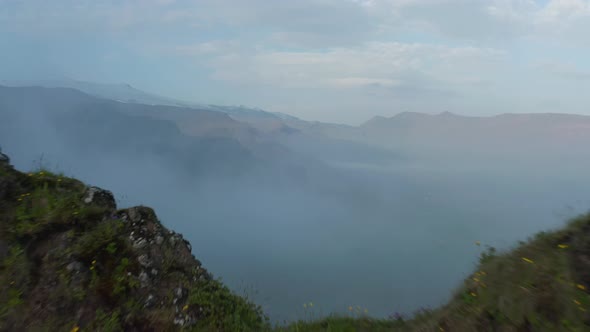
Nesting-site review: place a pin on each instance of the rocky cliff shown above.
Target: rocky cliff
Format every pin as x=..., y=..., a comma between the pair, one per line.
x=71, y=261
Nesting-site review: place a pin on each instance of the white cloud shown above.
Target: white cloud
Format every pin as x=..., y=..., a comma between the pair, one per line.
x=211, y=47
x=564, y=10
x=384, y=64
x=318, y=23
x=484, y=22
x=563, y=70
x=565, y=21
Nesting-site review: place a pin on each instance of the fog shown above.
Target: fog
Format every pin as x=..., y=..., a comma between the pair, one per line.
x=390, y=234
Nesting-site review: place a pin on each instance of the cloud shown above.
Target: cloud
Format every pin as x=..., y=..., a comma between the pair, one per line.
x=560, y=11
x=567, y=71
x=564, y=21
x=302, y=23
x=471, y=21
x=384, y=64
x=348, y=51
x=85, y=15
x=207, y=48
x=317, y=24
x=481, y=22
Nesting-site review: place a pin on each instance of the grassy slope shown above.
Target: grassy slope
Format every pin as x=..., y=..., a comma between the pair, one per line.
x=66, y=265
x=542, y=285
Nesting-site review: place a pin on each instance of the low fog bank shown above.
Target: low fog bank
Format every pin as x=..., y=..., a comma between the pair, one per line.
x=386, y=233
x=394, y=241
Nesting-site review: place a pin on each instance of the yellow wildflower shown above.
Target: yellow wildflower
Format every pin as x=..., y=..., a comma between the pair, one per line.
x=562, y=246
x=185, y=308
x=473, y=294
x=528, y=260
x=30, y=174
x=75, y=329
x=580, y=286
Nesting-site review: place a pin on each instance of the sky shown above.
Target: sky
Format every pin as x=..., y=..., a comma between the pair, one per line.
x=341, y=61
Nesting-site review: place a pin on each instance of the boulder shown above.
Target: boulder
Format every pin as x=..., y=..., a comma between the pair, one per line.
x=100, y=197
x=4, y=158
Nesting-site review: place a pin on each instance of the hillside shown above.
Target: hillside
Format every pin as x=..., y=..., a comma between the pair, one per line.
x=70, y=260
x=541, y=285
x=55, y=120
x=504, y=134
x=120, y=92
x=192, y=118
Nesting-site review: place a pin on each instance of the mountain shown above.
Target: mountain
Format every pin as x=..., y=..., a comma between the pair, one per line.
x=512, y=131
x=128, y=94
x=67, y=119
x=199, y=137
x=423, y=134
x=506, y=142
x=119, y=92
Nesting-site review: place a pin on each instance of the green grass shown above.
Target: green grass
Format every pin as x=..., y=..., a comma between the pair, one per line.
x=227, y=311
x=344, y=324
x=45, y=205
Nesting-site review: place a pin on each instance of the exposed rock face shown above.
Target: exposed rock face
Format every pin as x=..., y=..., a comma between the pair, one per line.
x=69, y=258
x=4, y=158
x=101, y=197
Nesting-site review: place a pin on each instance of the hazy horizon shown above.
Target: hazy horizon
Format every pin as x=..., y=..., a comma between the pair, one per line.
x=326, y=60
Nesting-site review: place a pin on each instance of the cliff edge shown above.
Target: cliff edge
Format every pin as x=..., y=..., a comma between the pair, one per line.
x=71, y=261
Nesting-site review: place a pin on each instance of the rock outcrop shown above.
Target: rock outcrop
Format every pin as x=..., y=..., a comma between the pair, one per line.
x=70, y=260
x=4, y=158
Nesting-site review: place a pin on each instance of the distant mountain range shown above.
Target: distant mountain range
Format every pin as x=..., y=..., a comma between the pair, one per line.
x=128, y=94
x=515, y=138
x=501, y=139
x=50, y=119
x=118, y=92
x=261, y=132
